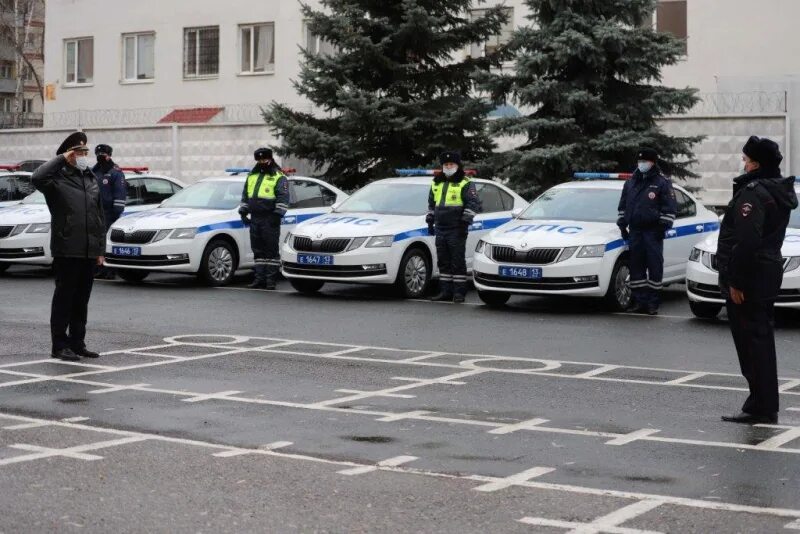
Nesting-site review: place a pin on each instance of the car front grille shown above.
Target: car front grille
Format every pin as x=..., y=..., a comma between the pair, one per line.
x=331, y=246
x=536, y=256
x=5, y=230
x=541, y=284
x=332, y=271
x=139, y=237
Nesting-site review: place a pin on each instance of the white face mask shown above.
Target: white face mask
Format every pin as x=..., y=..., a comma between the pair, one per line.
x=82, y=162
x=645, y=166
x=450, y=172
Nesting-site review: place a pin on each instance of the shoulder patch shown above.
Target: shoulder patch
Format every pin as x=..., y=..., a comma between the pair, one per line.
x=751, y=185
x=746, y=209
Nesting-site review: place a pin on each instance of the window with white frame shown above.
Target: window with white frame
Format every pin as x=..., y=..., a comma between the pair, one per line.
x=27, y=105
x=495, y=41
x=257, y=43
x=79, y=61
x=6, y=70
x=6, y=104
x=201, y=52
x=138, y=57
x=316, y=45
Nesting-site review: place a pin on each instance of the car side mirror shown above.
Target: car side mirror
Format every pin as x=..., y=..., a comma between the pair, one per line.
x=516, y=212
x=335, y=206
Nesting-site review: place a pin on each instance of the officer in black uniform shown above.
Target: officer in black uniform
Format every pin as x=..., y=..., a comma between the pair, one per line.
x=77, y=242
x=265, y=199
x=647, y=210
x=452, y=204
x=751, y=271
x=113, y=192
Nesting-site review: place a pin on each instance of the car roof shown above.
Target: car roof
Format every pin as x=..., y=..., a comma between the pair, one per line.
x=591, y=184
x=129, y=175
x=4, y=172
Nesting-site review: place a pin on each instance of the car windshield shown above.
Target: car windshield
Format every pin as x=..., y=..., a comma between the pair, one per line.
x=222, y=195
x=388, y=198
x=34, y=198
x=575, y=204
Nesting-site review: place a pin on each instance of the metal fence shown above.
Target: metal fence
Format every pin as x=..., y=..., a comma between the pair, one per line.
x=10, y=119
x=749, y=103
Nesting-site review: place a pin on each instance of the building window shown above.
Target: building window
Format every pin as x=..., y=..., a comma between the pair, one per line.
x=496, y=41
x=6, y=104
x=6, y=70
x=27, y=105
x=316, y=45
x=27, y=73
x=671, y=18
x=201, y=52
x=138, y=57
x=257, y=42
x=79, y=61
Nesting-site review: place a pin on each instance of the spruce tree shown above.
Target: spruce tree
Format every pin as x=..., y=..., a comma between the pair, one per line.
x=396, y=91
x=587, y=81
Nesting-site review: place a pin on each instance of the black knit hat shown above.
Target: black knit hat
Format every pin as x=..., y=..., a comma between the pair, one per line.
x=262, y=153
x=450, y=157
x=647, y=154
x=103, y=149
x=75, y=140
x=764, y=151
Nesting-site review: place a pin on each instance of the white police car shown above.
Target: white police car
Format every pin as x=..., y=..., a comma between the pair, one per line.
x=15, y=185
x=567, y=243
x=379, y=236
x=199, y=231
x=702, y=277
x=25, y=227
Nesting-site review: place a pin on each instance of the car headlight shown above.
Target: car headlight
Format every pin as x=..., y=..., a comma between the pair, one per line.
x=480, y=246
x=705, y=258
x=792, y=264
x=162, y=234
x=566, y=254
x=592, y=251
x=380, y=241
x=695, y=254
x=184, y=233
x=287, y=238
x=356, y=243
x=41, y=228
x=18, y=229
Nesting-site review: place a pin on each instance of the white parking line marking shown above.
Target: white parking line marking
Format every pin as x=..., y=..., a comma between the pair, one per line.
x=116, y=389
x=77, y=453
x=522, y=425
x=789, y=384
x=791, y=433
x=687, y=378
x=389, y=395
x=241, y=452
x=424, y=357
x=794, y=525
x=514, y=480
x=609, y=524
x=633, y=436
x=212, y=396
x=594, y=372
x=26, y=426
x=391, y=462
x=400, y=416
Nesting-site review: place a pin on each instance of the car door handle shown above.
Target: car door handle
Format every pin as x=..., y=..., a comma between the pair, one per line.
x=699, y=227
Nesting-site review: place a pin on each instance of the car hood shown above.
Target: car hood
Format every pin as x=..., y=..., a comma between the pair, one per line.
x=791, y=244
x=345, y=225
x=168, y=218
x=25, y=214
x=525, y=234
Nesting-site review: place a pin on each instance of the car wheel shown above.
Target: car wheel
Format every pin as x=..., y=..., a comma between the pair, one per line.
x=306, y=286
x=619, y=295
x=493, y=299
x=132, y=275
x=705, y=310
x=414, y=274
x=218, y=264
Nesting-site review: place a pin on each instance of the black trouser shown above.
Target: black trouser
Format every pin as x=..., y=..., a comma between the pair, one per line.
x=265, y=236
x=103, y=271
x=646, y=249
x=74, y=277
x=451, y=247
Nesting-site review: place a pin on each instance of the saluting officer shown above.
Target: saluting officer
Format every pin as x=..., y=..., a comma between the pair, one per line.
x=265, y=199
x=751, y=271
x=113, y=192
x=452, y=204
x=647, y=210
x=77, y=242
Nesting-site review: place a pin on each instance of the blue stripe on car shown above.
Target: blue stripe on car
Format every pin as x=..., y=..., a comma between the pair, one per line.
x=237, y=225
x=680, y=231
x=488, y=224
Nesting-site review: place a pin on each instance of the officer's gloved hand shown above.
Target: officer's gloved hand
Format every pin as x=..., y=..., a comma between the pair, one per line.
x=624, y=232
x=243, y=211
x=431, y=229
x=429, y=219
x=245, y=218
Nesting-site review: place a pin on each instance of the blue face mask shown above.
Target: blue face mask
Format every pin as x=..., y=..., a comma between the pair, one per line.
x=645, y=166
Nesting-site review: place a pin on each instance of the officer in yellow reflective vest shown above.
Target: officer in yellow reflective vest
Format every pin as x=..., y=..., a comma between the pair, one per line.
x=452, y=204
x=265, y=199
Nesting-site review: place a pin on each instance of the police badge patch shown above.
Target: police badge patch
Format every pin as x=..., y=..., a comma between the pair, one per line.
x=105, y=181
x=747, y=209
x=651, y=196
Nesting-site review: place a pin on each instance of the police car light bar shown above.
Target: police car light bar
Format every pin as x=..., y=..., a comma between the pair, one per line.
x=602, y=175
x=241, y=170
x=137, y=170
x=430, y=172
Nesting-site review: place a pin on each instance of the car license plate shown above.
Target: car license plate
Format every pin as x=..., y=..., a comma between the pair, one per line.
x=126, y=251
x=520, y=272
x=314, y=259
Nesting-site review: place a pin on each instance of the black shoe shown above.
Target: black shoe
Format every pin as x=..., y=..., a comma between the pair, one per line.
x=84, y=352
x=270, y=286
x=442, y=297
x=65, y=355
x=652, y=311
x=257, y=285
x=752, y=419
x=635, y=308
x=459, y=299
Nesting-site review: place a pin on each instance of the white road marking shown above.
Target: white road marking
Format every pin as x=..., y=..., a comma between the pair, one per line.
x=514, y=480
x=522, y=425
x=636, y=435
x=424, y=357
x=391, y=462
x=222, y=395
x=241, y=452
x=116, y=389
x=789, y=384
x=688, y=378
x=791, y=433
x=598, y=371
x=389, y=395
x=400, y=416
x=78, y=453
x=609, y=523
x=26, y=426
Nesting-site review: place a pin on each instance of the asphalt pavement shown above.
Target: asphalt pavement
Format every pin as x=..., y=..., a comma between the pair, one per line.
x=236, y=410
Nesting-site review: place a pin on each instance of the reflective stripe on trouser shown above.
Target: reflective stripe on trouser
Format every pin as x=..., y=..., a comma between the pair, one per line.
x=450, y=254
x=265, y=241
x=647, y=266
